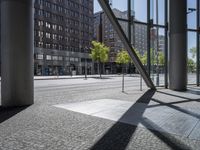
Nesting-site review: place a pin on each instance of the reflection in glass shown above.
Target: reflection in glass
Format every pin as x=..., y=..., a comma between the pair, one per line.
x=192, y=14
x=140, y=7
x=157, y=55
x=192, y=57
x=157, y=11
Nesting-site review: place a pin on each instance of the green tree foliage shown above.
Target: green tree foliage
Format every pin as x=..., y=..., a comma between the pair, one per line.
x=191, y=62
x=99, y=53
x=193, y=51
x=161, y=58
x=191, y=65
x=123, y=57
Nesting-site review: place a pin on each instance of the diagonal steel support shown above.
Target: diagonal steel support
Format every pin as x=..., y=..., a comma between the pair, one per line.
x=108, y=11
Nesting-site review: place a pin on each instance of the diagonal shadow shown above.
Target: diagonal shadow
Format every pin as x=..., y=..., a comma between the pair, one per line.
x=120, y=134
x=177, y=102
x=192, y=91
x=167, y=138
x=194, y=88
x=188, y=112
x=178, y=96
x=6, y=113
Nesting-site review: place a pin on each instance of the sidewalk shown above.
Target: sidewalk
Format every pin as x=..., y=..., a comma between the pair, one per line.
x=79, y=76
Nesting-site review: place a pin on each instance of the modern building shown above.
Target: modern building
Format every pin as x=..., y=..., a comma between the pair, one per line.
x=63, y=31
x=104, y=32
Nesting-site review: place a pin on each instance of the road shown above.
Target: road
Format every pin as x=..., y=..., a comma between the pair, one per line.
x=82, y=89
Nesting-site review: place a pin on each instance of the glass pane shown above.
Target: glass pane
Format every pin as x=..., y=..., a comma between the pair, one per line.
x=97, y=7
x=119, y=4
x=140, y=7
x=192, y=57
x=192, y=14
x=124, y=25
x=140, y=42
x=157, y=55
x=158, y=11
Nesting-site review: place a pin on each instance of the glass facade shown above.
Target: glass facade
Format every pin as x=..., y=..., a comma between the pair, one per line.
x=145, y=23
x=193, y=41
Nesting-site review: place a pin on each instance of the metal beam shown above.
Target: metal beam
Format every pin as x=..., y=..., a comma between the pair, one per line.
x=108, y=11
x=198, y=51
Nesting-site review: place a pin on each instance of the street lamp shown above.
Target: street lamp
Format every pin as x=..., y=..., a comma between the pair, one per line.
x=190, y=10
x=86, y=48
x=157, y=47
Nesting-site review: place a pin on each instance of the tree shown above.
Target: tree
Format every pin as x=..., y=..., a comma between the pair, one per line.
x=191, y=65
x=191, y=61
x=161, y=58
x=99, y=53
x=193, y=51
x=123, y=58
x=143, y=57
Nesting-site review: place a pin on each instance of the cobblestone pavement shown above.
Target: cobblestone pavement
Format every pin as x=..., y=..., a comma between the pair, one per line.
x=45, y=127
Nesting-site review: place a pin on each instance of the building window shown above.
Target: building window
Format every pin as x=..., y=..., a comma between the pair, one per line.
x=54, y=26
x=48, y=45
x=67, y=58
x=48, y=35
x=48, y=57
x=39, y=56
x=54, y=57
x=40, y=34
x=60, y=58
x=54, y=36
x=71, y=59
x=40, y=23
x=48, y=25
x=40, y=44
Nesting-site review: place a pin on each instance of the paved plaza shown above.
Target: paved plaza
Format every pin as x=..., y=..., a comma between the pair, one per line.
x=94, y=114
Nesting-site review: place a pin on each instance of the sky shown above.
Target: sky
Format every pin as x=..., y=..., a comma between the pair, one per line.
x=139, y=6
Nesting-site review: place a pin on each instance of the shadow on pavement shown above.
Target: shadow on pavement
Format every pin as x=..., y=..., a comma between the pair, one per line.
x=6, y=113
x=167, y=138
x=101, y=78
x=120, y=134
x=194, y=91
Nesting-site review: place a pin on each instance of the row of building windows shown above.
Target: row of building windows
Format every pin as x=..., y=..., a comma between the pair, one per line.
x=54, y=36
x=41, y=44
x=56, y=17
x=56, y=58
x=47, y=14
x=70, y=4
x=56, y=27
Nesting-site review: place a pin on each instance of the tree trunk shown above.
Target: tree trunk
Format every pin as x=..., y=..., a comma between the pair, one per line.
x=99, y=68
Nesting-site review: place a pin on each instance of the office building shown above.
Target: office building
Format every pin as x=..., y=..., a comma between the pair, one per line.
x=63, y=32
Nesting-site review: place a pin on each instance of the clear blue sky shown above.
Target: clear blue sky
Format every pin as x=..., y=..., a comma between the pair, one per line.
x=140, y=6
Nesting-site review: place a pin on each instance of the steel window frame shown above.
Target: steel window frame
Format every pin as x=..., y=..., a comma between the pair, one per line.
x=108, y=11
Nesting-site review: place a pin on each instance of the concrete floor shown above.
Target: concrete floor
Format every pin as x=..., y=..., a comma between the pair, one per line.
x=95, y=114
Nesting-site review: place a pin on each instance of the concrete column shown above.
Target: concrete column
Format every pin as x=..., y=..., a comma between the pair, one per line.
x=178, y=45
x=17, y=52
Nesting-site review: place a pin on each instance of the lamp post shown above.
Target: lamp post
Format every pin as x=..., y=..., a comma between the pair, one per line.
x=157, y=46
x=190, y=10
x=85, y=63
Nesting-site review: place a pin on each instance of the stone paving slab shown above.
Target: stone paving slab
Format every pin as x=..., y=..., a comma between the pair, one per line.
x=160, y=118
